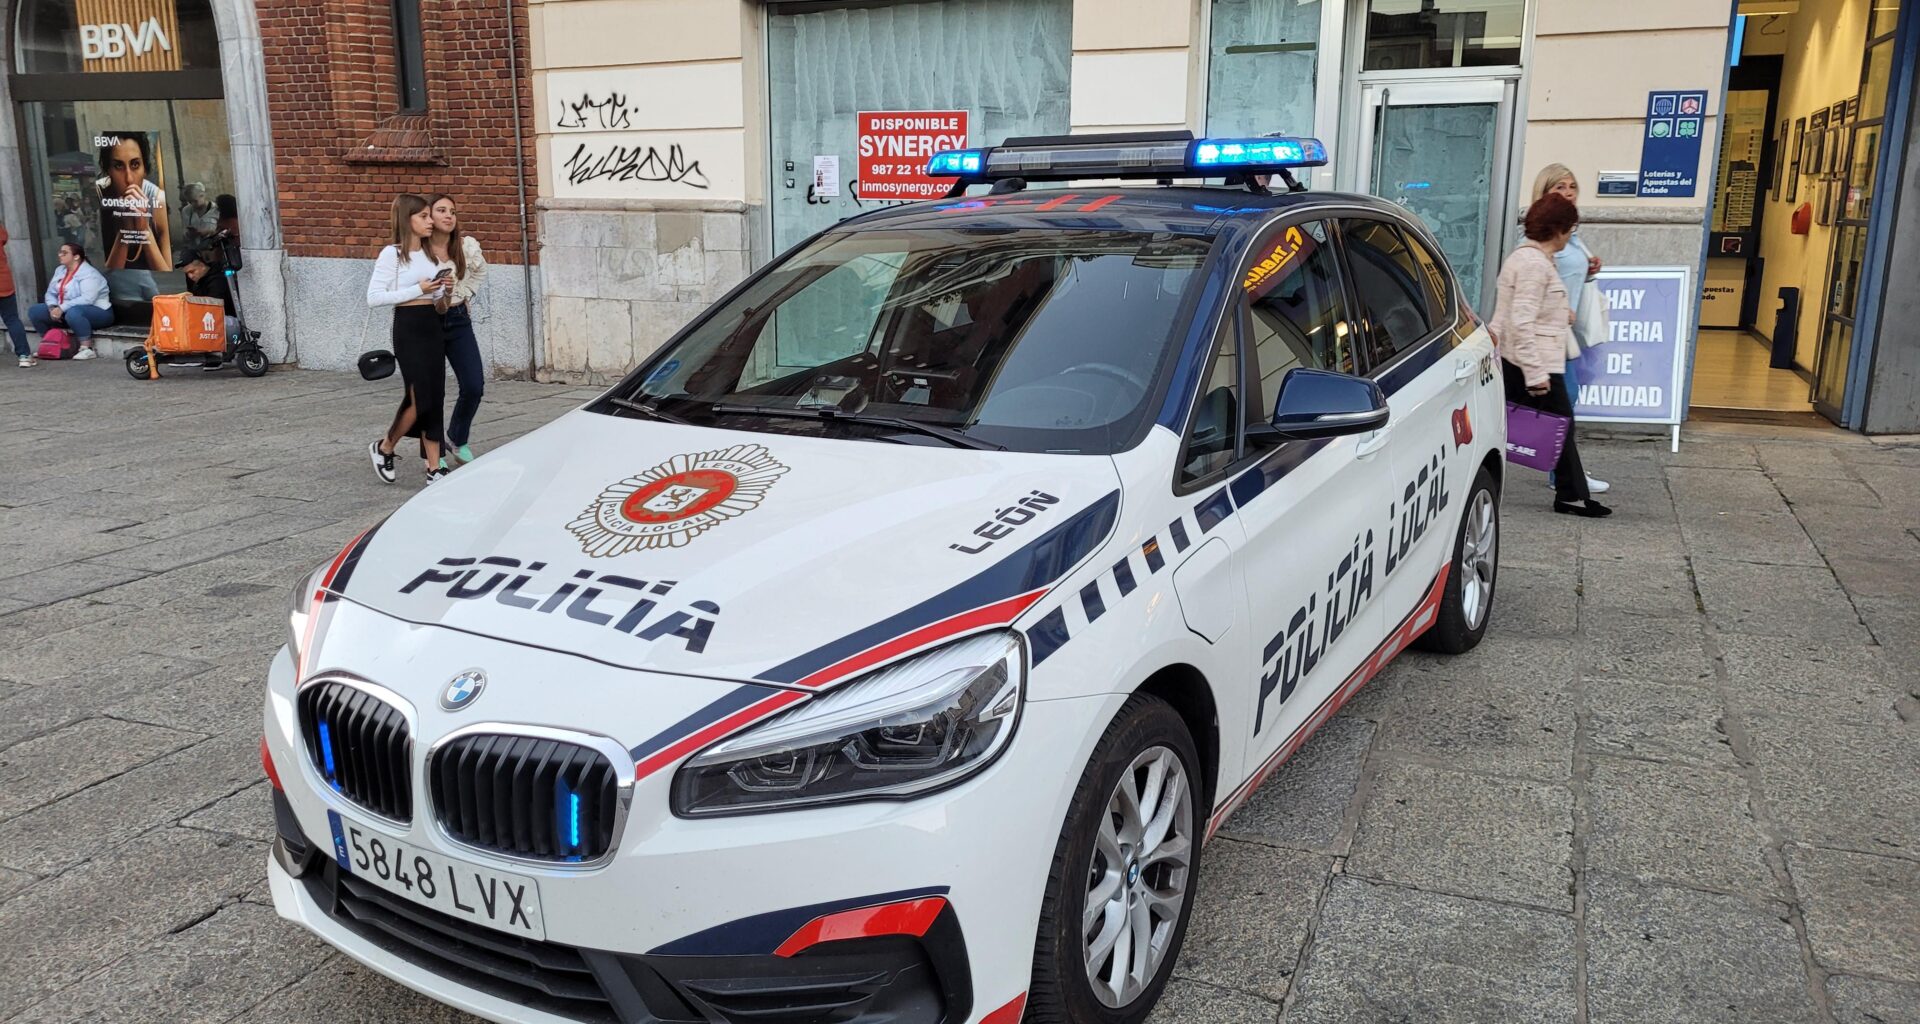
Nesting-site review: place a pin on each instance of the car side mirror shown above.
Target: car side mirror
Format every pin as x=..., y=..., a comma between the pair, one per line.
x=1320, y=403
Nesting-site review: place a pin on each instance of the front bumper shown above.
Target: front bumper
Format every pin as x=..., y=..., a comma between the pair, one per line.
x=681, y=922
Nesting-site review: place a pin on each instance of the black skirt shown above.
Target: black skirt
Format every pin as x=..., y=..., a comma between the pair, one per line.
x=420, y=348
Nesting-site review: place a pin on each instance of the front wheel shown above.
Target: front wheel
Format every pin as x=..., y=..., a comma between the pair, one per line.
x=253, y=362
x=1124, y=874
x=1467, y=606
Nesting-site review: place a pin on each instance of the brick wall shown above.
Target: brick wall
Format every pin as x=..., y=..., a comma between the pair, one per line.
x=341, y=148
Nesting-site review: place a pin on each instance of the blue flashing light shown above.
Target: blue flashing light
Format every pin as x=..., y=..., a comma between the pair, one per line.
x=956, y=163
x=1280, y=152
x=326, y=754
x=573, y=829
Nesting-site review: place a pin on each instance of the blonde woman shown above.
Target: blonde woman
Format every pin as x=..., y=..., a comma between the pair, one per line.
x=1577, y=265
x=407, y=278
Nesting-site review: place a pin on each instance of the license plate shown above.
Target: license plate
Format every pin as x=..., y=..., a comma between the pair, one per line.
x=496, y=899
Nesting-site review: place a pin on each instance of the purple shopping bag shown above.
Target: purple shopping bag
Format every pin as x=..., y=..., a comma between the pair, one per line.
x=1534, y=438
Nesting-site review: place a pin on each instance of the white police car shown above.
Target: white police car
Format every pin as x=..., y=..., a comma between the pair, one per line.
x=885, y=648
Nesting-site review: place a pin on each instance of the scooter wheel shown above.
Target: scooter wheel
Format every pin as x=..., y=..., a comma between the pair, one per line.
x=253, y=363
x=137, y=363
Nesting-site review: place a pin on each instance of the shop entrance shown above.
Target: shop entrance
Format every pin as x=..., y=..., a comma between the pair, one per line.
x=1800, y=158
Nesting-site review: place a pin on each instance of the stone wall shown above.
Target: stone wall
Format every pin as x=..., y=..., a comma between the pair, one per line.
x=332, y=325
x=620, y=277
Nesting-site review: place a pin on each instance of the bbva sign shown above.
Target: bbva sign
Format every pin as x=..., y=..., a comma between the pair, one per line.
x=113, y=40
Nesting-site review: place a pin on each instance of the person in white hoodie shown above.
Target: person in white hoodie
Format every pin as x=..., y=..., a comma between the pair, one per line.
x=76, y=300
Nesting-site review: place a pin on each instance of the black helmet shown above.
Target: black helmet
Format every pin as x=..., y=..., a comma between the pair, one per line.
x=377, y=364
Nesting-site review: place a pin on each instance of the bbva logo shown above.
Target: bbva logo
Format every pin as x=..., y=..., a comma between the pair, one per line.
x=115, y=40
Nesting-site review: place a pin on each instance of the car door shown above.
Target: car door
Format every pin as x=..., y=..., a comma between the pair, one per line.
x=1404, y=297
x=1314, y=539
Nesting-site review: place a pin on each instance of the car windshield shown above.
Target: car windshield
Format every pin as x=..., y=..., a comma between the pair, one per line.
x=1040, y=340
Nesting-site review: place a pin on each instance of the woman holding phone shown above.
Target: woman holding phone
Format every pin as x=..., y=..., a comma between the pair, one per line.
x=407, y=278
x=451, y=245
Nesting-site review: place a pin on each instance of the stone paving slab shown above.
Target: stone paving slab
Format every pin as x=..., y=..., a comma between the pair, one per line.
x=1677, y=768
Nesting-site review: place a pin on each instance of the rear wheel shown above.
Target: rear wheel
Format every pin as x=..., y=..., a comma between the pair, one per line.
x=137, y=363
x=1123, y=880
x=1467, y=606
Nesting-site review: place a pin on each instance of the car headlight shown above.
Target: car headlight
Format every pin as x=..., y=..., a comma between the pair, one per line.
x=300, y=610
x=902, y=731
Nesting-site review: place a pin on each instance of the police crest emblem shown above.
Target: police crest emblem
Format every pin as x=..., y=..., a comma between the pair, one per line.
x=672, y=503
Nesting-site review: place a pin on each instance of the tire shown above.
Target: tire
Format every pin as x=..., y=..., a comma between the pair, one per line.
x=1147, y=735
x=253, y=362
x=137, y=363
x=1467, y=606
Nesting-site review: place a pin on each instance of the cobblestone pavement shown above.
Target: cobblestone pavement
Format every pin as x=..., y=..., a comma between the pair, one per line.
x=1680, y=782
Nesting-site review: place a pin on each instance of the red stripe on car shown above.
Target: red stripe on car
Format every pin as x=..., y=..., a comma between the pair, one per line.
x=912, y=917
x=991, y=615
x=717, y=731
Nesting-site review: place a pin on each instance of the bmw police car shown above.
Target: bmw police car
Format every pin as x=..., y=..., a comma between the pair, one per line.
x=887, y=645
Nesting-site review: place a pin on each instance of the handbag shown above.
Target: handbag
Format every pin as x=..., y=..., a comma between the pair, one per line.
x=1590, y=325
x=1535, y=437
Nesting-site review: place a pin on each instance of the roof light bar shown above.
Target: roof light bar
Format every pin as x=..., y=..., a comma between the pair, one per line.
x=1126, y=155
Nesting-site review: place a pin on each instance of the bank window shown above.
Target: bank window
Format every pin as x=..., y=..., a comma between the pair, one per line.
x=1260, y=74
x=410, y=66
x=1390, y=287
x=65, y=37
x=1406, y=35
x=1298, y=316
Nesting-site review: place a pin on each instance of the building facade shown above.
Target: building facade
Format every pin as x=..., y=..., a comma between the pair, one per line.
x=682, y=142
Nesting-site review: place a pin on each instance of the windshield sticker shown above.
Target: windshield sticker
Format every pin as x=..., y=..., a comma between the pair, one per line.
x=626, y=604
x=1007, y=520
x=672, y=503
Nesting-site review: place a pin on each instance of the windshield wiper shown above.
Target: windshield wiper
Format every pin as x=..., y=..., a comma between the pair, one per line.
x=950, y=436
x=651, y=409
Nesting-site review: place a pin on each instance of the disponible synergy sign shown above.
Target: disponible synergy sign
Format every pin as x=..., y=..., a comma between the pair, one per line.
x=1638, y=375
x=895, y=146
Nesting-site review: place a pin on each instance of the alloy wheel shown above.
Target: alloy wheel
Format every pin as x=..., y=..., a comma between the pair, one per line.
x=1139, y=876
x=1479, y=550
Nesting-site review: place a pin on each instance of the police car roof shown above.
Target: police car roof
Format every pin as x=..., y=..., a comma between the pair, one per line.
x=1178, y=209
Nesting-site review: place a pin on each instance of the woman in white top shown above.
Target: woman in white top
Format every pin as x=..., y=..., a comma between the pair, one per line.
x=409, y=279
x=451, y=245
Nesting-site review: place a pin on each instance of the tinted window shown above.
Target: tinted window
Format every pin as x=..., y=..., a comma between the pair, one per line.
x=1388, y=284
x=1433, y=276
x=1299, y=317
x=1216, y=418
x=1037, y=340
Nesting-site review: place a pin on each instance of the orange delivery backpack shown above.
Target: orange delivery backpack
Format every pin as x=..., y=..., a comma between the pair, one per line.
x=187, y=324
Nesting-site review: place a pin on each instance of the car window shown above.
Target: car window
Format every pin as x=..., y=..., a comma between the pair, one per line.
x=1298, y=313
x=1214, y=438
x=1044, y=340
x=1433, y=275
x=1387, y=282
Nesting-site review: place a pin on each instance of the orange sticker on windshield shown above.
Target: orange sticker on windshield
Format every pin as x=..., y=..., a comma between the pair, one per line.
x=1292, y=248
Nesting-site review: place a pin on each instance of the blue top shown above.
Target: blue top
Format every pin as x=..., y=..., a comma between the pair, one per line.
x=1571, y=262
x=88, y=288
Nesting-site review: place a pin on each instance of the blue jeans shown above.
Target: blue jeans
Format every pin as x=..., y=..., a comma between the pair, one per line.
x=463, y=354
x=81, y=320
x=10, y=312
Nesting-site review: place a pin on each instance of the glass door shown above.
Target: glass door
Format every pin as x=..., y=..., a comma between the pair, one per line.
x=1850, y=196
x=1440, y=149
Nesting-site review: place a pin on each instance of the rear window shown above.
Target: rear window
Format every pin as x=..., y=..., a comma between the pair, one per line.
x=1033, y=340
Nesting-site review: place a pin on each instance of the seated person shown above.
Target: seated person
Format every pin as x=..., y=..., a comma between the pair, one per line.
x=207, y=283
x=76, y=300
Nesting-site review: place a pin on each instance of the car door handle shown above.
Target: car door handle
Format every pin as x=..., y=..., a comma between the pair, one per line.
x=1464, y=368
x=1370, y=443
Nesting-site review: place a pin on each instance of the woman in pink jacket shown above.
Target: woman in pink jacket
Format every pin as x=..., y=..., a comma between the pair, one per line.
x=1533, y=325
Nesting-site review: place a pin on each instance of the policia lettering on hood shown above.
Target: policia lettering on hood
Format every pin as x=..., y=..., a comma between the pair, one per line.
x=1297, y=649
x=624, y=603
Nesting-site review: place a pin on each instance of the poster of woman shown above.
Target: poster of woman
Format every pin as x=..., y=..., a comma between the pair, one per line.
x=133, y=203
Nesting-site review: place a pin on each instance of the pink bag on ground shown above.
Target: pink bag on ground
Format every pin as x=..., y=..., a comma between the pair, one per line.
x=58, y=343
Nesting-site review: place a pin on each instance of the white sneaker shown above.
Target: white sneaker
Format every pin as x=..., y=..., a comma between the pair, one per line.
x=1598, y=486
x=26, y=361
x=86, y=353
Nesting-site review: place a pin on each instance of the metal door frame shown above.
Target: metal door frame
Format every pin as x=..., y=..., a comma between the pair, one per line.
x=1437, y=89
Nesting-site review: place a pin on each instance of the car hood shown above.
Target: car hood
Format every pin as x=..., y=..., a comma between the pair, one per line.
x=727, y=554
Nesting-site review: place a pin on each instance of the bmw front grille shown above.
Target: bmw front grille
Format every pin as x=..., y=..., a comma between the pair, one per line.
x=534, y=797
x=361, y=745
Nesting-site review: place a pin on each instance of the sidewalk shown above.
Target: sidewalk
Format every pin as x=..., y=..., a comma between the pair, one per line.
x=1679, y=782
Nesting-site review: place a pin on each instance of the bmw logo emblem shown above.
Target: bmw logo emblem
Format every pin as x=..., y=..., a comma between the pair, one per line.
x=463, y=689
